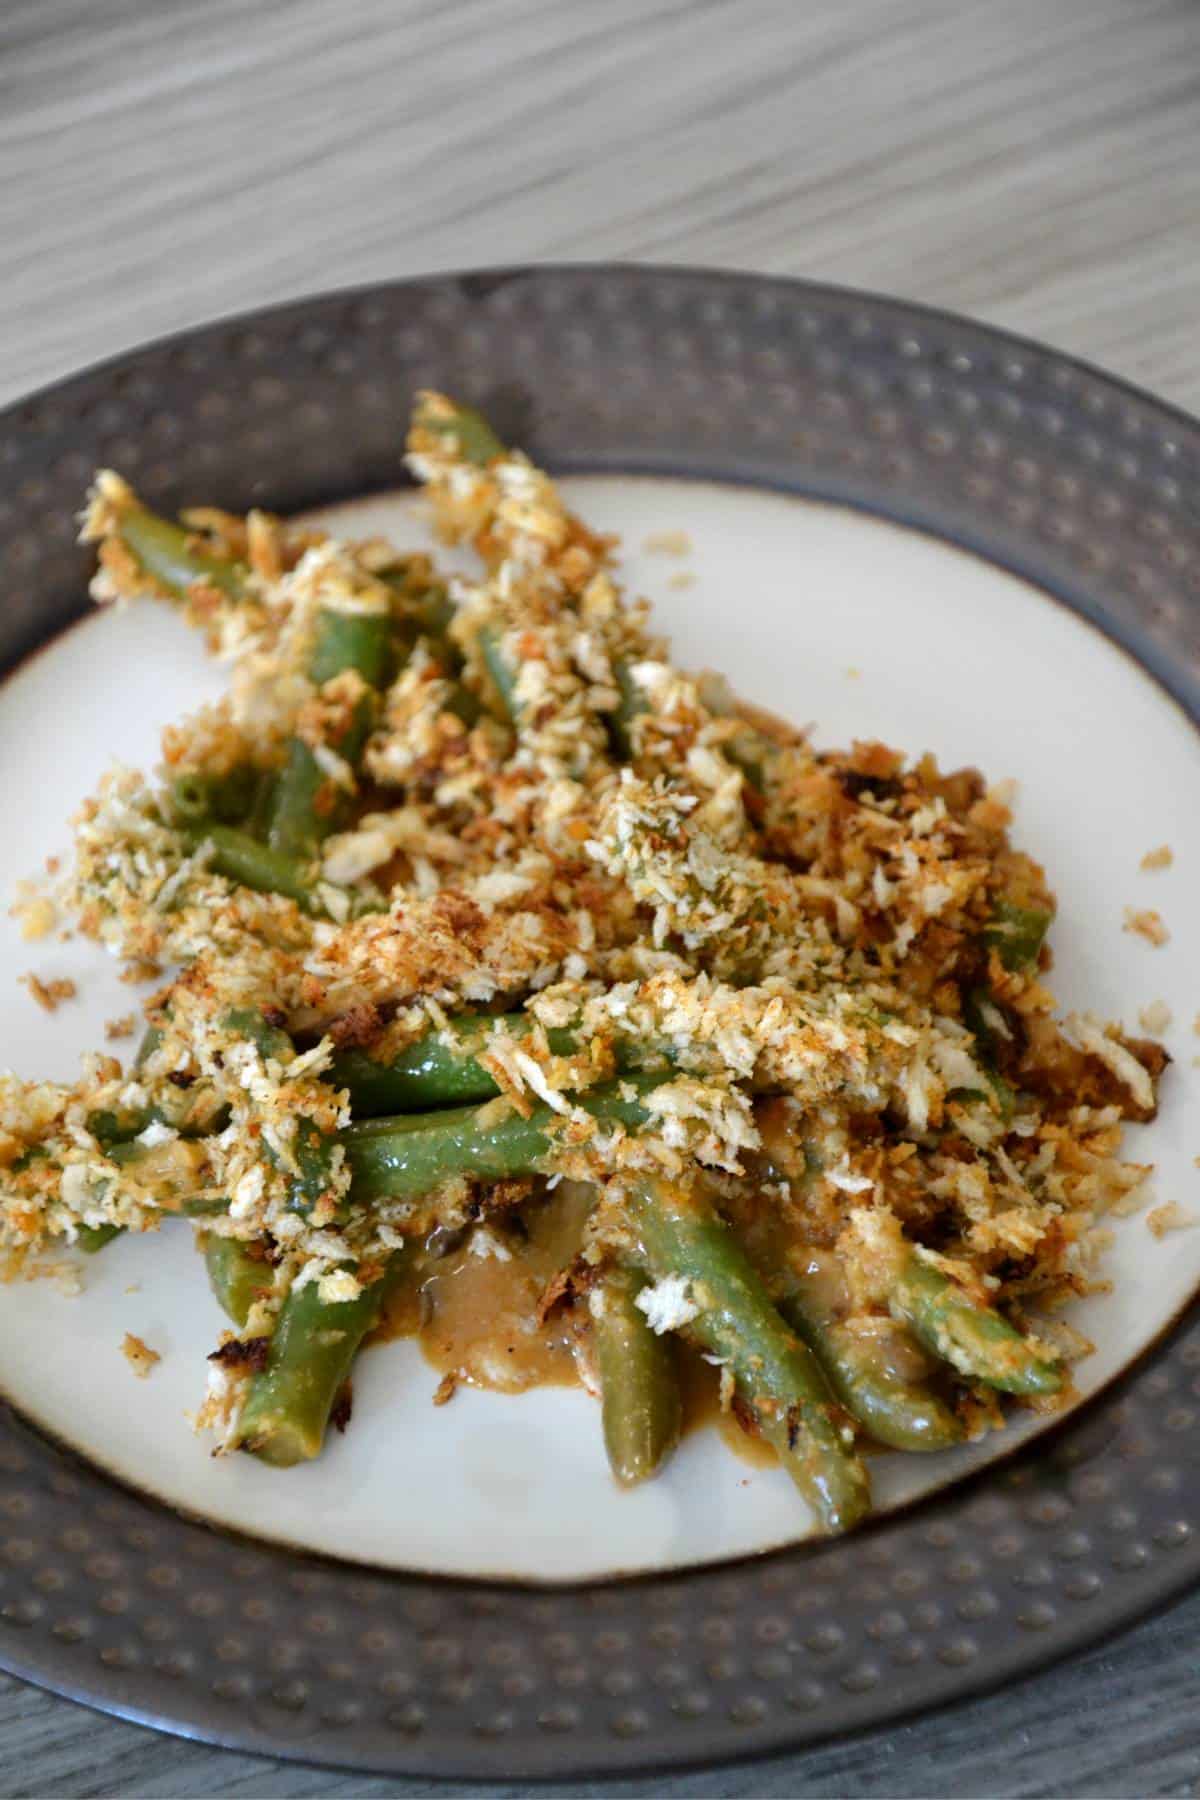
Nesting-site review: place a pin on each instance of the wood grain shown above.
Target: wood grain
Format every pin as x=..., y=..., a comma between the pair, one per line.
x=1032, y=162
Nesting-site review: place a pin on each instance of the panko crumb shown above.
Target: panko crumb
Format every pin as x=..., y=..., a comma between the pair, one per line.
x=123, y=1027
x=50, y=994
x=1146, y=923
x=1162, y=858
x=139, y=971
x=140, y=1357
x=35, y=913
x=668, y=543
x=1167, y=1218
x=446, y=1389
x=1135, y=1201
x=1155, y=1018
x=669, y=1304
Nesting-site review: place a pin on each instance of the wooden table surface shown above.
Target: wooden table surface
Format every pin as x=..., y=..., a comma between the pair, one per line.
x=1033, y=162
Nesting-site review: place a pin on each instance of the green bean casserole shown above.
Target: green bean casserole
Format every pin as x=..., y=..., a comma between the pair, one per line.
x=491, y=941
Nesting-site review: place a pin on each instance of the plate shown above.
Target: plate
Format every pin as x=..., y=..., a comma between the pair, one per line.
x=763, y=420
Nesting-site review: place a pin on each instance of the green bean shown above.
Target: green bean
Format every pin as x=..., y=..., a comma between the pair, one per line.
x=193, y=1112
x=227, y=799
x=173, y=556
x=312, y=1348
x=312, y=1176
x=1016, y=933
x=430, y=609
x=409, y=1157
x=984, y=1019
x=892, y=1407
x=776, y=1375
x=439, y=1069
x=358, y=641
x=406, y=1156
x=237, y=1275
x=300, y=814
x=312, y=1150
x=269, y=1040
x=972, y=1337
x=242, y=859
x=639, y=1385
x=477, y=443
x=173, y=1170
x=632, y=703
x=504, y=676
x=92, y=1238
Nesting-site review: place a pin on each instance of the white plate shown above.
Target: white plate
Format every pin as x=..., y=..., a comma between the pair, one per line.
x=821, y=615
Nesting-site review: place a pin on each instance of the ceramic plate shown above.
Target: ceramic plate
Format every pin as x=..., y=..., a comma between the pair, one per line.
x=792, y=438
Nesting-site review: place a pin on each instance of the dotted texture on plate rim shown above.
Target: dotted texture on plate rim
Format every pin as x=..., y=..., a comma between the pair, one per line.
x=1049, y=468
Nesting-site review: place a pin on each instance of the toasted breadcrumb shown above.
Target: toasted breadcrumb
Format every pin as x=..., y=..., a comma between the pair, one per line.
x=1155, y=1018
x=49, y=994
x=141, y=969
x=1162, y=858
x=446, y=1388
x=668, y=543
x=35, y=912
x=682, y=578
x=140, y=1357
x=1146, y=923
x=1167, y=1218
x=121, y=1027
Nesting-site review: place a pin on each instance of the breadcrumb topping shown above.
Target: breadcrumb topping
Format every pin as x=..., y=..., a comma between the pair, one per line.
x=832, y=960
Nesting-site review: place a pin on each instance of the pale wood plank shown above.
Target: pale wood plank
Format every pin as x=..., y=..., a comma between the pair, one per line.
x=1032, y=162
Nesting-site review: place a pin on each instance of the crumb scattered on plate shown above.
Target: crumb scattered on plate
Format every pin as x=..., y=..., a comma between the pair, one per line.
x=668, y=543
x=50, y=994
x=1162, y=858
x=1170, y=1217
x=446, y=1389
x=35, y=913
x=683, y=578
x=1148, y=924
x=1155, y=1018
x=140, y=1357
x=123, y=1027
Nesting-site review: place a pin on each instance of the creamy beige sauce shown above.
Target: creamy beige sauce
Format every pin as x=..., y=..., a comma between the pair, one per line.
x=475, y=1316
x=474, y=1310
x=700, y=1388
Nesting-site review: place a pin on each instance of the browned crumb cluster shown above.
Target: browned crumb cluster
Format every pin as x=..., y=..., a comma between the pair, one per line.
x=140, y=1357
x=1146, y=923
x=49, y=994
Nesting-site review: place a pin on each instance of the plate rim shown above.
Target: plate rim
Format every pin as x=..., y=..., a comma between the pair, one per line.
x=628, y=1756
